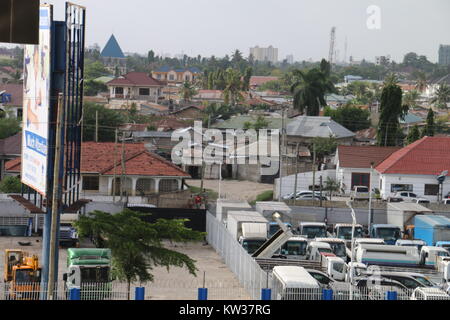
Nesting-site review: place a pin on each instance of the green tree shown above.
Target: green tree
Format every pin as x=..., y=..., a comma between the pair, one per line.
x=187, y=91
x=246, y=79
x=309, y=88
x=413, y=135
x=421, y=81
x=232, y=91
x=442, y=96
x=10, y=185
x=351, y=117
x=92, y=87
x=429, y=128
x=136, y=246
x=331, y=185
x=94, y=70
x=108, y=120
x=410, y=98
x=391, y=110
x=9, y=127
x=259, y=123
x=324, y=147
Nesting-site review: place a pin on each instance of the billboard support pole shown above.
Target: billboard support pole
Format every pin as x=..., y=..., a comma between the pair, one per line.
x=52, y=266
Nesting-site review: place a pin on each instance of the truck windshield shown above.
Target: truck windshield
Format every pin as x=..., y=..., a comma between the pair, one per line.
x=324, y=250
x=362, y=189
x=388, y=233
x=314, y=232
x=338, y=249
x=95, y=274
x=252, y=245
x=28, y=275
x=294, y=248
x=346, y=233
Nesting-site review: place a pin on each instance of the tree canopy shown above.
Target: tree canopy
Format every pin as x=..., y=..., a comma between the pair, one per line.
x=108, y=120
x=349, y=116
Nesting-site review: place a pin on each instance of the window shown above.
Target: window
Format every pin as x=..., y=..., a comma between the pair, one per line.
x=171, y=77
x=360, y=179
x=144, y=91
x=158, y=76
x=118, y=90
x=90, y=183
x=431, y=189
x=401, y=187
x=168, y=185
x=187, y=78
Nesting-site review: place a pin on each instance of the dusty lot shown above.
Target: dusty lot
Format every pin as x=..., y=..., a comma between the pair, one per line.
x=234, y=189
x=174, y=284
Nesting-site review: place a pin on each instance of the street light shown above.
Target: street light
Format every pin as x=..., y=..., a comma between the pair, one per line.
x=352, y=211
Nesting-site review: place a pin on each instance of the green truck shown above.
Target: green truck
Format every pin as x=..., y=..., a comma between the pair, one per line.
x=89, y=269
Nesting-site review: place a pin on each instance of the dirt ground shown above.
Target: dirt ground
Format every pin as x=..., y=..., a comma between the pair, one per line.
x=174, y=284
x=234, y=189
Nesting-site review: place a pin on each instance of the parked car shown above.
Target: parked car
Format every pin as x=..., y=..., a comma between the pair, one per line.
x=406, y=196
x=359, y=193
x=408, y=279
x=421, y=200
x=446, y=201
x=311, y=197
x=376, y=288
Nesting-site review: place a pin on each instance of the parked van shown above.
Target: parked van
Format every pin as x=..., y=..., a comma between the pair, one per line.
x=294, y=283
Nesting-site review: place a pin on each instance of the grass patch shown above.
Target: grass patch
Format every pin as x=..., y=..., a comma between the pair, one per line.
x=263, y=196
x=212, y=195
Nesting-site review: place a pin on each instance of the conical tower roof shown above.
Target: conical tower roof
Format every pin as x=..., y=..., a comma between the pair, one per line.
x=112, y=49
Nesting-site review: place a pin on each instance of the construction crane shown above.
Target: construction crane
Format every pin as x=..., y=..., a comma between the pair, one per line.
x=332, y=43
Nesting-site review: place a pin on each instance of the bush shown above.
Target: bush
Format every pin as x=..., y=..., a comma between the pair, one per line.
x=263, y=196
x=10, y=185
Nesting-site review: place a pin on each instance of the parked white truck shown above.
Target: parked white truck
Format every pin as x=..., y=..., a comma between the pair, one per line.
x=322, y=252
x=249, y=228
x=312, y=230
x=292, y=283
x=338, y=246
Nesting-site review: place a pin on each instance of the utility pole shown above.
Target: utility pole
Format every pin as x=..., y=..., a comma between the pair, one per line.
x=96, y=126
x=123, y=167
x=369, y=220
x=115, y=165
x=320, y=179
x=52, y=265
x=296, y=174
x=314, y=171
x=283, y=122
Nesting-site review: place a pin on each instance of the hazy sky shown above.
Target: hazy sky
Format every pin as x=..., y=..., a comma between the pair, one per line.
x=298, y=27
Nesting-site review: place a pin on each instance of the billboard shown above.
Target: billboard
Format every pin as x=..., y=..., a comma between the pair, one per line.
x=36, y=103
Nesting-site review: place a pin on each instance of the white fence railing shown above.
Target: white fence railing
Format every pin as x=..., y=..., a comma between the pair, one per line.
x=246, y=269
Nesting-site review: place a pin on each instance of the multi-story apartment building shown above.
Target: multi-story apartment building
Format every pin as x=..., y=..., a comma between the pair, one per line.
x=269, y=54
x=444, y=55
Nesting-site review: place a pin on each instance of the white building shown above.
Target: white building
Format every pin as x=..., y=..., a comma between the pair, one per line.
x=353, y=165
x=269, y=54
x=416, y=167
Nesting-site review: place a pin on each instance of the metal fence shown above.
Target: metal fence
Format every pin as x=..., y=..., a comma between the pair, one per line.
x=246, y=269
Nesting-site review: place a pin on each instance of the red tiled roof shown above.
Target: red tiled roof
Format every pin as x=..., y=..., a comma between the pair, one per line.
x=11, y=145
x=260, y=80
x=427, y=156
x=13, y=165
x=362, y=156
x=98, y=157
x=135, y=79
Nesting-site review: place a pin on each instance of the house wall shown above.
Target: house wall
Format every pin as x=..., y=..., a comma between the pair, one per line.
x=418, y=182
x=304, y=180
x=344, y=176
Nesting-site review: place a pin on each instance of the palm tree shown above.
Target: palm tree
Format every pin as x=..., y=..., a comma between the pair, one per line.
x=232, y=92
x=421, y=81
x=410, y=98
x=442, y=96
x=309, y=89
x=187, y=91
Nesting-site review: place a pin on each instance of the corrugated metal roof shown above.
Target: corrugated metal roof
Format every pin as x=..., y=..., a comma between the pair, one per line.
x=317, y=127
x=434, y=220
